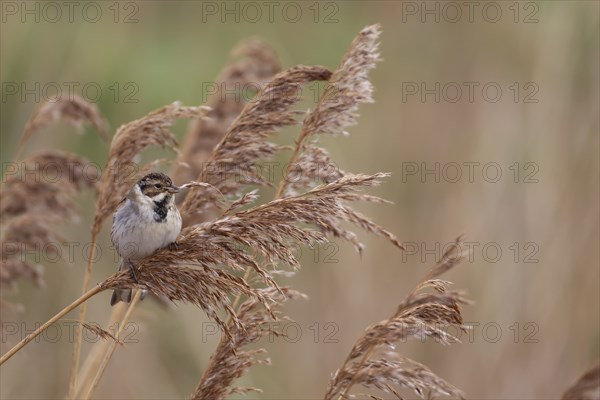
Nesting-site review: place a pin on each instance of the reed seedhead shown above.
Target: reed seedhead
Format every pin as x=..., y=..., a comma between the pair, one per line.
x=374, y=361
x=348, y=87
x=72, y=110
x=101, y=333
x=31, y=202
x=232, y=164
x=251, y=64
x=587, y=387
x=318, y=209
x=230, y=361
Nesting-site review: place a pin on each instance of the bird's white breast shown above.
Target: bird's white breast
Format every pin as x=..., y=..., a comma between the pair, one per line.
x=136, y=234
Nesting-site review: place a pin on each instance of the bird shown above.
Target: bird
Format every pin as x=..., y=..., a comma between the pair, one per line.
x=146, y=220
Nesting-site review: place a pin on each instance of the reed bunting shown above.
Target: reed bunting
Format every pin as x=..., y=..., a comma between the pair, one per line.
x=145, y=221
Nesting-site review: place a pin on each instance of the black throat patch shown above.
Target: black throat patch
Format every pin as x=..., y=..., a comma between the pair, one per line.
x=161, y=209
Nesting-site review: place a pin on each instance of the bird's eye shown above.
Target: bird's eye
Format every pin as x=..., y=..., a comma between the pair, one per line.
x=158, y=186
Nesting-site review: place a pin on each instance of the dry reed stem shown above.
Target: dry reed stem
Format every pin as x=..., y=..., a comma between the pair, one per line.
x=94, y=383
x=94, y=358
x=587, y=386
x=82, y=311
x=81, y=300
x=419, y=315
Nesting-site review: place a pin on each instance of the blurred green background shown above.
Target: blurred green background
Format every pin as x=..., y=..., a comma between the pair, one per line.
x=537, y=303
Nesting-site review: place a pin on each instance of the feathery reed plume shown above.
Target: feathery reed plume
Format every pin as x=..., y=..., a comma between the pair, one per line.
x=232, y=163
x=420, y=315
x=204, y=286
x=324, y=207
x=73, y=110
x=268, y=229
x=30, y=195
x=230, y=361
x=44, y=184
x=93, y=359
x=69, y=168
x=88, y=391
x=587, y=386
x=336, y=110
x=130, y=140
x=251, y=64
x=279, y=223
x=38, y=194
x=23, y=234
x=13, y=268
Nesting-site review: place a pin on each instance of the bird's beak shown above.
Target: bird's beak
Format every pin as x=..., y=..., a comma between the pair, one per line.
x=173, y=189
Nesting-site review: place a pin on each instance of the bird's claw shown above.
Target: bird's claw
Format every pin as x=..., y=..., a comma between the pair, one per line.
x=173, y=246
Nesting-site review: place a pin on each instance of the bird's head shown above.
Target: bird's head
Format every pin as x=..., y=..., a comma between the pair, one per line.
x=157, y=186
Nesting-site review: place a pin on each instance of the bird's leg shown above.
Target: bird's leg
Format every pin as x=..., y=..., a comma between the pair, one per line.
x=132, y=271
x=173, y=246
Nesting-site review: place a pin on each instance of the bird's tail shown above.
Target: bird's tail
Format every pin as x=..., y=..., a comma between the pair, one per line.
x=124, y=294
x=120, y=295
